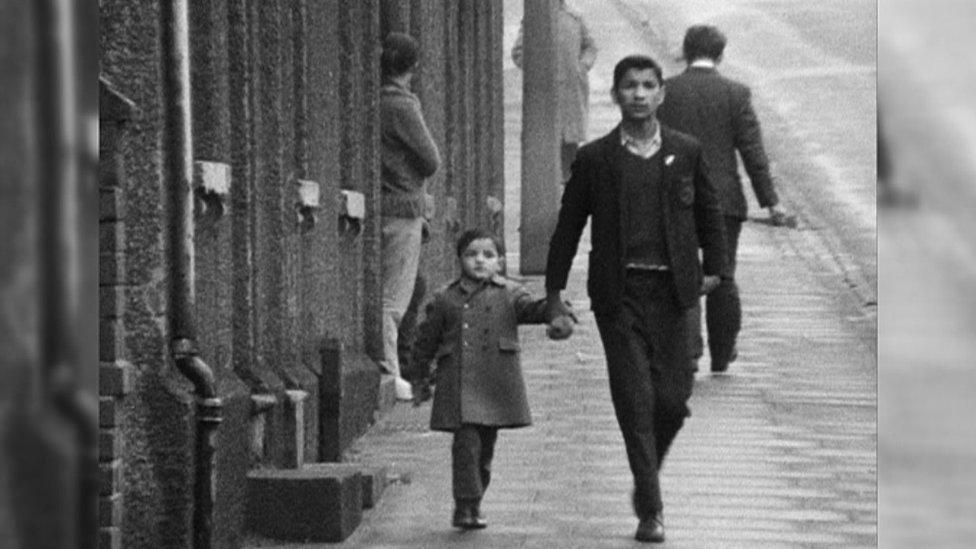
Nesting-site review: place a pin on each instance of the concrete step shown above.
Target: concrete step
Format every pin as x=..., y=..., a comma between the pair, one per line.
x=321, y=502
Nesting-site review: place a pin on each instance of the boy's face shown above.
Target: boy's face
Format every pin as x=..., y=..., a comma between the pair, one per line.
x=480, y=260
x=639, y=94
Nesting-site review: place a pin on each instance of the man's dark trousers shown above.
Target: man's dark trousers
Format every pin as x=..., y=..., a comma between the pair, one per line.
x=646, y=344
x=471, y=453
x=723, y=307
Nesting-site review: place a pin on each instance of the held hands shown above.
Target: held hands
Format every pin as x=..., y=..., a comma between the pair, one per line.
x=560, y=328
x=709, y=283
x=561, y=317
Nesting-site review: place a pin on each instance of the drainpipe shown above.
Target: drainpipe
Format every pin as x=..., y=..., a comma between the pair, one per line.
x=177, y=151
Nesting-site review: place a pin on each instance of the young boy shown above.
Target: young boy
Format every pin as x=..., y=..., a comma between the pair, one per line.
x=471, y=329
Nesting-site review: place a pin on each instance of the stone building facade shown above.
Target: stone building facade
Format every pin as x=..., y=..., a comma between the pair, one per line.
x=286, y=235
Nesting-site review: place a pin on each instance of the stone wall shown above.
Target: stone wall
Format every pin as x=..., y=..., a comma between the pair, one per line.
x=284, y=102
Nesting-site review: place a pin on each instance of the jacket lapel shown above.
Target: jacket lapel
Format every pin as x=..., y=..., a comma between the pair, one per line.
x=669, y=159
x=611, y=160
x=612, y=156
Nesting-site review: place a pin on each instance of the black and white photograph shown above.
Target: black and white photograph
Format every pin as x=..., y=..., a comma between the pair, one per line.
x=296, y=274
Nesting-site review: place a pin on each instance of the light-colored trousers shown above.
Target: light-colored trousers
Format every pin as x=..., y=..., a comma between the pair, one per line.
x=401, y=259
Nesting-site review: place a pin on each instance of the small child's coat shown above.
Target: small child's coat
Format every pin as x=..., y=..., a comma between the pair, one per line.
x=471, y=330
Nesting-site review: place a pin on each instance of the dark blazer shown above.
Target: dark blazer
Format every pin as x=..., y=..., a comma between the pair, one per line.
x=718, y=112
x=473, y=336
x=692, y=220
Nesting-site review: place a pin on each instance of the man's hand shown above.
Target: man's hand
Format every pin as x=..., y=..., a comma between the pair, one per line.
x=709, y=283
x=560, y=328
x=556, y=307
x=421, y=392
x=779, y=218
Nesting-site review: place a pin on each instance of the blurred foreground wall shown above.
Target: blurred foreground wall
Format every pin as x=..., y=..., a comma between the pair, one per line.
x=48, y=198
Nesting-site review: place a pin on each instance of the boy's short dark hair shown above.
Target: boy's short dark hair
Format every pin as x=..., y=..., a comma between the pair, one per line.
x=703, y=41
x=639, y=62
x=400, y=53
x=470, y=235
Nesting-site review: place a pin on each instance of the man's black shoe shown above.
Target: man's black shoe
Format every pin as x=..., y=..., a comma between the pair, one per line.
x=651, y=529
x=467, y=517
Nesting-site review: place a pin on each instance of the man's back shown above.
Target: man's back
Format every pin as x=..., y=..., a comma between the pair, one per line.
x=718, y=112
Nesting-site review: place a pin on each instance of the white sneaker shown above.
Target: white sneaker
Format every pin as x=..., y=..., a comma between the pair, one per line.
x=403, y=389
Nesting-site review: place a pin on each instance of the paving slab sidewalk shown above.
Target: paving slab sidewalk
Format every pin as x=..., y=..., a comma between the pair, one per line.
x=779, y=452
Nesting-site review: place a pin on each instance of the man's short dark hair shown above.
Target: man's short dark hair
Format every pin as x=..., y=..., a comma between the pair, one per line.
x=703, y=41
x=400, y=54
x=470, y=235
x=638, y=62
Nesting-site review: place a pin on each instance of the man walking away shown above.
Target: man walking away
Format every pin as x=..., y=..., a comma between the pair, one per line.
x=718, y=112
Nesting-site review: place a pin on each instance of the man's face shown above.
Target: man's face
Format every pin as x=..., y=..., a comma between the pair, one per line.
x=638, y=94
x=480, y=260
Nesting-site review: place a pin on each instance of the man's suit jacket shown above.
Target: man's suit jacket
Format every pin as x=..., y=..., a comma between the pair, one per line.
x=692, y=220
x=718, y=112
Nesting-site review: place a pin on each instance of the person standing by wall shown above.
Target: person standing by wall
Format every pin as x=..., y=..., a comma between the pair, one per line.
x=718, y=112
x=575, y=55
x=409, y=156
x=407, y=332
x=646, y=192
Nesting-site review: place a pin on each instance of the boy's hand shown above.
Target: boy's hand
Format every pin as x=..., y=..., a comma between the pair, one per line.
x=421, y=392
x=560, y=327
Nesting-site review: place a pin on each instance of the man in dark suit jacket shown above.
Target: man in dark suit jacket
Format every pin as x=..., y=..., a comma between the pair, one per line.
x=718, y=112
x=652, y=206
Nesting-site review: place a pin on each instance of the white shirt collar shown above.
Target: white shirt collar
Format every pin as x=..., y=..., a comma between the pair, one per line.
x=645, y=148
x=703, y=63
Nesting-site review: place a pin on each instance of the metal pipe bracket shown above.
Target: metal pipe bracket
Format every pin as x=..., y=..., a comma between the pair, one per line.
x=352, y=212
x=307, y=203
x=211, y=187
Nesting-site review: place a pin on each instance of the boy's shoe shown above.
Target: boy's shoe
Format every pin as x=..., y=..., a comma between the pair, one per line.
x=651, y=529
x=467, y=517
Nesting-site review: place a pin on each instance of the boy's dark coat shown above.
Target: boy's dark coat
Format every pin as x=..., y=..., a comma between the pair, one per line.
x=473, y=336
